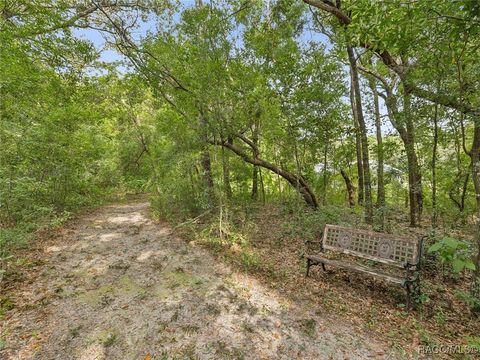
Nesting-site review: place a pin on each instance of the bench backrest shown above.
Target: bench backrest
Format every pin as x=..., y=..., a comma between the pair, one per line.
x=385, y=248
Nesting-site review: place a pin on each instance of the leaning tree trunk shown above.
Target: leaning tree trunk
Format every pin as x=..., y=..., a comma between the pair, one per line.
x=363, y=137
x=358, y=144
x=296, y=181
x=350, y=188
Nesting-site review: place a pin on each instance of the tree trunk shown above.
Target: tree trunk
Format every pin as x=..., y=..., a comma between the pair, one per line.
x=262, y=185
x=350, y=188
x=256, y=153
x=226, y=174
x=205, y=160
x=380, y=161
x=363, y=137
x=358, y=143
x=454, y=192
x=255, y=183
x=434, y=167
x=324, y=170
x=206, y=163
x=402, y=122
x=207, y=172
x=414, y=176
x=475, y=156
x=464, y=191
x=417, y=176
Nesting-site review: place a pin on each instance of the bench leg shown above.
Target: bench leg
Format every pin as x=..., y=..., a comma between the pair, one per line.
x=418, y=290
x=413, y=292
x=408, y=289
x=311, y=263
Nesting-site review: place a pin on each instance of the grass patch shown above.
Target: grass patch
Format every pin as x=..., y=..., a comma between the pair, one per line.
x=6, y=304
x=309, y=327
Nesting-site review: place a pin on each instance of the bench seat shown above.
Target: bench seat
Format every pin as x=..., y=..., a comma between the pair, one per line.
x=358, y=268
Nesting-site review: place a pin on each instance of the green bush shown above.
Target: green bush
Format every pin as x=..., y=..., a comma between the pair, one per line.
x=453, y=253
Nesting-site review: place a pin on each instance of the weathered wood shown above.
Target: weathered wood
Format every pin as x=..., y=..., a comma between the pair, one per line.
x=357, y=268
x=380, y=247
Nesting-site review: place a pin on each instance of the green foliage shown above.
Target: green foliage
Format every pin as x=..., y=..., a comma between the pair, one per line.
x=454, y=253
x=6, y=304
x=474, y=342
x=471, y=301
x=250, y=260
x=9, y=237
x=58, y=124
x=309, y=327
x=307, y=224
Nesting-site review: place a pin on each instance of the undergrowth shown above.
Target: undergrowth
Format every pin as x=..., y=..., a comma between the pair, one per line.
x=268, y=241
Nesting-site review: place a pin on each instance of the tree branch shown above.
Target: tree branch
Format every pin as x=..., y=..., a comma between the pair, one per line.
x=298, y=182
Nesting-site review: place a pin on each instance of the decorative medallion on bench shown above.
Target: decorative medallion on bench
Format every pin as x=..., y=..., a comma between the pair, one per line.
x=344, y=241
x=384, y=249
x=395, y=251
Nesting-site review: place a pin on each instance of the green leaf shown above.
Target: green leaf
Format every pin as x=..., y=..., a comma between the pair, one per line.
x=450, y=242
x=470, y=265
x=435, y=247
x=458, y=265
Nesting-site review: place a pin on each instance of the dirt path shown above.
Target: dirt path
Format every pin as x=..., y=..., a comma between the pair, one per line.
x=118, y=286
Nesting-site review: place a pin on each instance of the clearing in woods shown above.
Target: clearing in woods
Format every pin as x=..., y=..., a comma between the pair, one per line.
x=116, y=285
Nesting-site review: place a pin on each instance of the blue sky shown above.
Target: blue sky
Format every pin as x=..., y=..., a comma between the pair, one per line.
x=99, y=40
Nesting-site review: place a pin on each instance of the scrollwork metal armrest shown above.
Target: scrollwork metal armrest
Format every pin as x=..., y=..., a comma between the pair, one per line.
x=412, y=280
x=409, y=266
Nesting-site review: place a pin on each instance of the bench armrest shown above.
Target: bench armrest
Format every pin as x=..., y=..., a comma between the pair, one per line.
x=407, y=265
x=409, y=279
x=314, y=242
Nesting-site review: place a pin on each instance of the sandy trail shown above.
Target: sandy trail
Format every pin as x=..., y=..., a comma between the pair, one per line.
x=117, y=285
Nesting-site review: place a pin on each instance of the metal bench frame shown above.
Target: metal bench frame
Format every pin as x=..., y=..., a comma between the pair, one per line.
x=396, y=251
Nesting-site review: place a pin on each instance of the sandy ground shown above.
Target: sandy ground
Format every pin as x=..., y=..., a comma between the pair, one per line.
x=117, y=285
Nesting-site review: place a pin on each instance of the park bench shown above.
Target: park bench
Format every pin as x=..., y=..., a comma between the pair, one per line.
x=399, y=255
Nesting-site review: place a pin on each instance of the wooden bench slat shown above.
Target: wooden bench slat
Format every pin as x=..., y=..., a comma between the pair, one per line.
x=357, y=268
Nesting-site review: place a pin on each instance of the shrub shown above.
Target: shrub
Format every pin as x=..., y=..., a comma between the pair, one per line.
x=454, y=253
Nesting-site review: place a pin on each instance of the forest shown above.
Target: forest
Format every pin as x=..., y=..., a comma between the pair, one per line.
x=247, y=127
